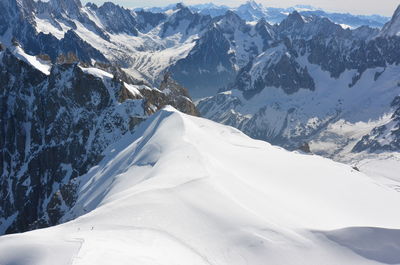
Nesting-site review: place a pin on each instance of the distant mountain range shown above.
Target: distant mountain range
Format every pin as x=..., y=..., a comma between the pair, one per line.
x=252, y=11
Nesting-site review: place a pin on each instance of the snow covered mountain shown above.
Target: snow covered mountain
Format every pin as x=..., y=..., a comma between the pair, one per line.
x=55, y=123
x=87, y=147
x=296, y=84
x=178, y=191
x=313, y=80
x=228, y=45
x=203, y=53
x=142, y=43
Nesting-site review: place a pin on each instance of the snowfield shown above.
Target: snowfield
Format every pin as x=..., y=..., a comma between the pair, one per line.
x=185, y=190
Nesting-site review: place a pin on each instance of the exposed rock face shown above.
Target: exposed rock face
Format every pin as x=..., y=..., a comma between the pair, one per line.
x=305, y=148
x=177, y=95
x=286, y=74
x=208, y=66
x=232, y=54
x=184, y=21
x=227, y=45
x=116, y=19
x=292, y=24
x=19, y=22
x=148, y=20
x=322, y=43
x=54, y=128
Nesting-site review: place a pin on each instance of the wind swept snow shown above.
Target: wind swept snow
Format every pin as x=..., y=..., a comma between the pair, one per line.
x=32, y=60
x=185, y=190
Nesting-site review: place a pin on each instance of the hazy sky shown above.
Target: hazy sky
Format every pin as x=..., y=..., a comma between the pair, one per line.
x=383, y=7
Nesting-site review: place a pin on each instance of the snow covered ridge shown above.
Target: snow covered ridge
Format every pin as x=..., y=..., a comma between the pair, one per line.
x=37, y=63
x=178, y=191
x=55, y=125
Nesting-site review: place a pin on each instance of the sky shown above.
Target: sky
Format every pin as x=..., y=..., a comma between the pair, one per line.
x=381, y=7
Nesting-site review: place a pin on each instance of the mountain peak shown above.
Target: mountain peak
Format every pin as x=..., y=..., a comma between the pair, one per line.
x=91, y=5
x=232, y=16
x=293, y=20
x=182, y=10
x=397, y=12
x=180, y=6
x=295, y=16
x=392, y=28
x=66, y=6
x=253, y=4
x=110, y=5
x=251, y=11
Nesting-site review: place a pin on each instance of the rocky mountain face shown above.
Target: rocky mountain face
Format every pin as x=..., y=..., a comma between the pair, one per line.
x=20, y=22
x=228, y=44
x=313, y=75
x=225, y=54
x=54, y=128
x=320, y=42
x=108, y=13
x=210, y=54
x=184, y=21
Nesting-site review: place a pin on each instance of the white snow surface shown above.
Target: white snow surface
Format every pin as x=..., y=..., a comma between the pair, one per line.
x=185, y=190
x=40, y=65
x=97, y=72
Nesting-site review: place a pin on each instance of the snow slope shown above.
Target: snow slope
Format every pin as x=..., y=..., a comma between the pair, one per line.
x=42, y=66
x=185, y=190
